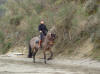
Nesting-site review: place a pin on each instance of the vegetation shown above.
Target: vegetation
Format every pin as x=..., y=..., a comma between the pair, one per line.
x=75, y=22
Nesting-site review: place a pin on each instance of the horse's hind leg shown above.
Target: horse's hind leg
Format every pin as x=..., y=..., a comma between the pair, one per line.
x=50, y=55
x=30, y=52
x=34, y=53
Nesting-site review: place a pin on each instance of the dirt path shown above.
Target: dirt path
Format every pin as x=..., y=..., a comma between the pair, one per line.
x=19, y=65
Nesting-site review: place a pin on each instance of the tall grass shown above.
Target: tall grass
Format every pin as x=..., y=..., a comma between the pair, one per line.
x=73, y=22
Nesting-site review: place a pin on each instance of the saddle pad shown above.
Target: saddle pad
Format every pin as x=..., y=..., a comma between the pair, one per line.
x=37, y=41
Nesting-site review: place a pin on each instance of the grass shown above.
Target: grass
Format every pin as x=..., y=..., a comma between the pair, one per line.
x=96, y=53
x=20, y=23
x=4, y=45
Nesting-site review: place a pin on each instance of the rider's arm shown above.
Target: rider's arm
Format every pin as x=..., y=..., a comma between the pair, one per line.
x=39, y=28
x=46, y=29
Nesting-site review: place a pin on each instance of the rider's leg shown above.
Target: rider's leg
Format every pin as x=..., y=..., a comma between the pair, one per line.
x=40, y=43
x=41, y=37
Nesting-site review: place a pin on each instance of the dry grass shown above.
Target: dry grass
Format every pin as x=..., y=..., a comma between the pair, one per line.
x=75, y=26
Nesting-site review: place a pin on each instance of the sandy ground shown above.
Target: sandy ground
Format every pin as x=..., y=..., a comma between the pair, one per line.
x=23, y=65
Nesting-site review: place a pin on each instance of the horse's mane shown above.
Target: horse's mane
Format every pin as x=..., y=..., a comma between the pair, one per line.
x=52, y=30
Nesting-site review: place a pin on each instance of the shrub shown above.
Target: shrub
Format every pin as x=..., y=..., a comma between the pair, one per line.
x=15, y=20
x=6, y=47
x=1, y=37
x=91, y=7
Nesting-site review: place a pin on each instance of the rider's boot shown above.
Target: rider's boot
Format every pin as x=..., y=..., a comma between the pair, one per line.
x=40, y=42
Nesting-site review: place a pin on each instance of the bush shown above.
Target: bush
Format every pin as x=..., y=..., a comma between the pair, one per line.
x=15, y=20
x=6, y=47
x=91, y=6
x=1, y=37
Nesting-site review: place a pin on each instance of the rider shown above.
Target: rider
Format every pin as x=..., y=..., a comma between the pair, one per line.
x=43, y=31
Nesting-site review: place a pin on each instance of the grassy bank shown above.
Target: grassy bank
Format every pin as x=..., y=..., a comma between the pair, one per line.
x=76, y=22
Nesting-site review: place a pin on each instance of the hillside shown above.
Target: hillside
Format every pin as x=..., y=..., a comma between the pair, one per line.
x=76, y=23
x=2, y=1
x=1, y=9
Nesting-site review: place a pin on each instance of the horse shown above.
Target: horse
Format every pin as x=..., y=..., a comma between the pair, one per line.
x=47, y=43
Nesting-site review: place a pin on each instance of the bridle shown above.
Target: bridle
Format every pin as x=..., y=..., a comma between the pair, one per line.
x=51, y=39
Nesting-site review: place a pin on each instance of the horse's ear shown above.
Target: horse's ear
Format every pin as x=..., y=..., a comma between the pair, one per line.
x=49, y=34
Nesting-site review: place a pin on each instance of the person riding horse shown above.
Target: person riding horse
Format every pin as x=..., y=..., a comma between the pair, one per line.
x=43, y=32
x=46, y=41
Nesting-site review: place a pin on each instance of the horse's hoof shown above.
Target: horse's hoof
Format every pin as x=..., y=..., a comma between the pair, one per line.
x=49, y=59
x=45, y=62
x=33, y=61
x=29, y=57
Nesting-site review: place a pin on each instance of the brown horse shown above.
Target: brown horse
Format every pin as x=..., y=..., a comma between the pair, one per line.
x=46, y=46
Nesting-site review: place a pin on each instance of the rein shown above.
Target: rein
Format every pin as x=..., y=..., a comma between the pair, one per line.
x=51, y=43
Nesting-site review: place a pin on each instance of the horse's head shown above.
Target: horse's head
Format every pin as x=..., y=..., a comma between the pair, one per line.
x=51, y=37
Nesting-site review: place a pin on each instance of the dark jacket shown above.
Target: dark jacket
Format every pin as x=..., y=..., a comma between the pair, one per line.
x=43, y=28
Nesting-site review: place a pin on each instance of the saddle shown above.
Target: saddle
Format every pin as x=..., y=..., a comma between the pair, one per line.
x=39, y=42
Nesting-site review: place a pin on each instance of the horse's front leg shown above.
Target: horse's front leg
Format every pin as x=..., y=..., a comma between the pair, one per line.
x=51, y=55
x=44, y=56
x=33, y=57
x=33, y=53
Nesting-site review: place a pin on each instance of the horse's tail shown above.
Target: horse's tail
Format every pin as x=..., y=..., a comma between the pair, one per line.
x=30, y=51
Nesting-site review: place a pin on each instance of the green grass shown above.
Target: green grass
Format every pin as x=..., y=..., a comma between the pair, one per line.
x=1, y=37
x=66, y=15
x=4, y=45
x=96, y=53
